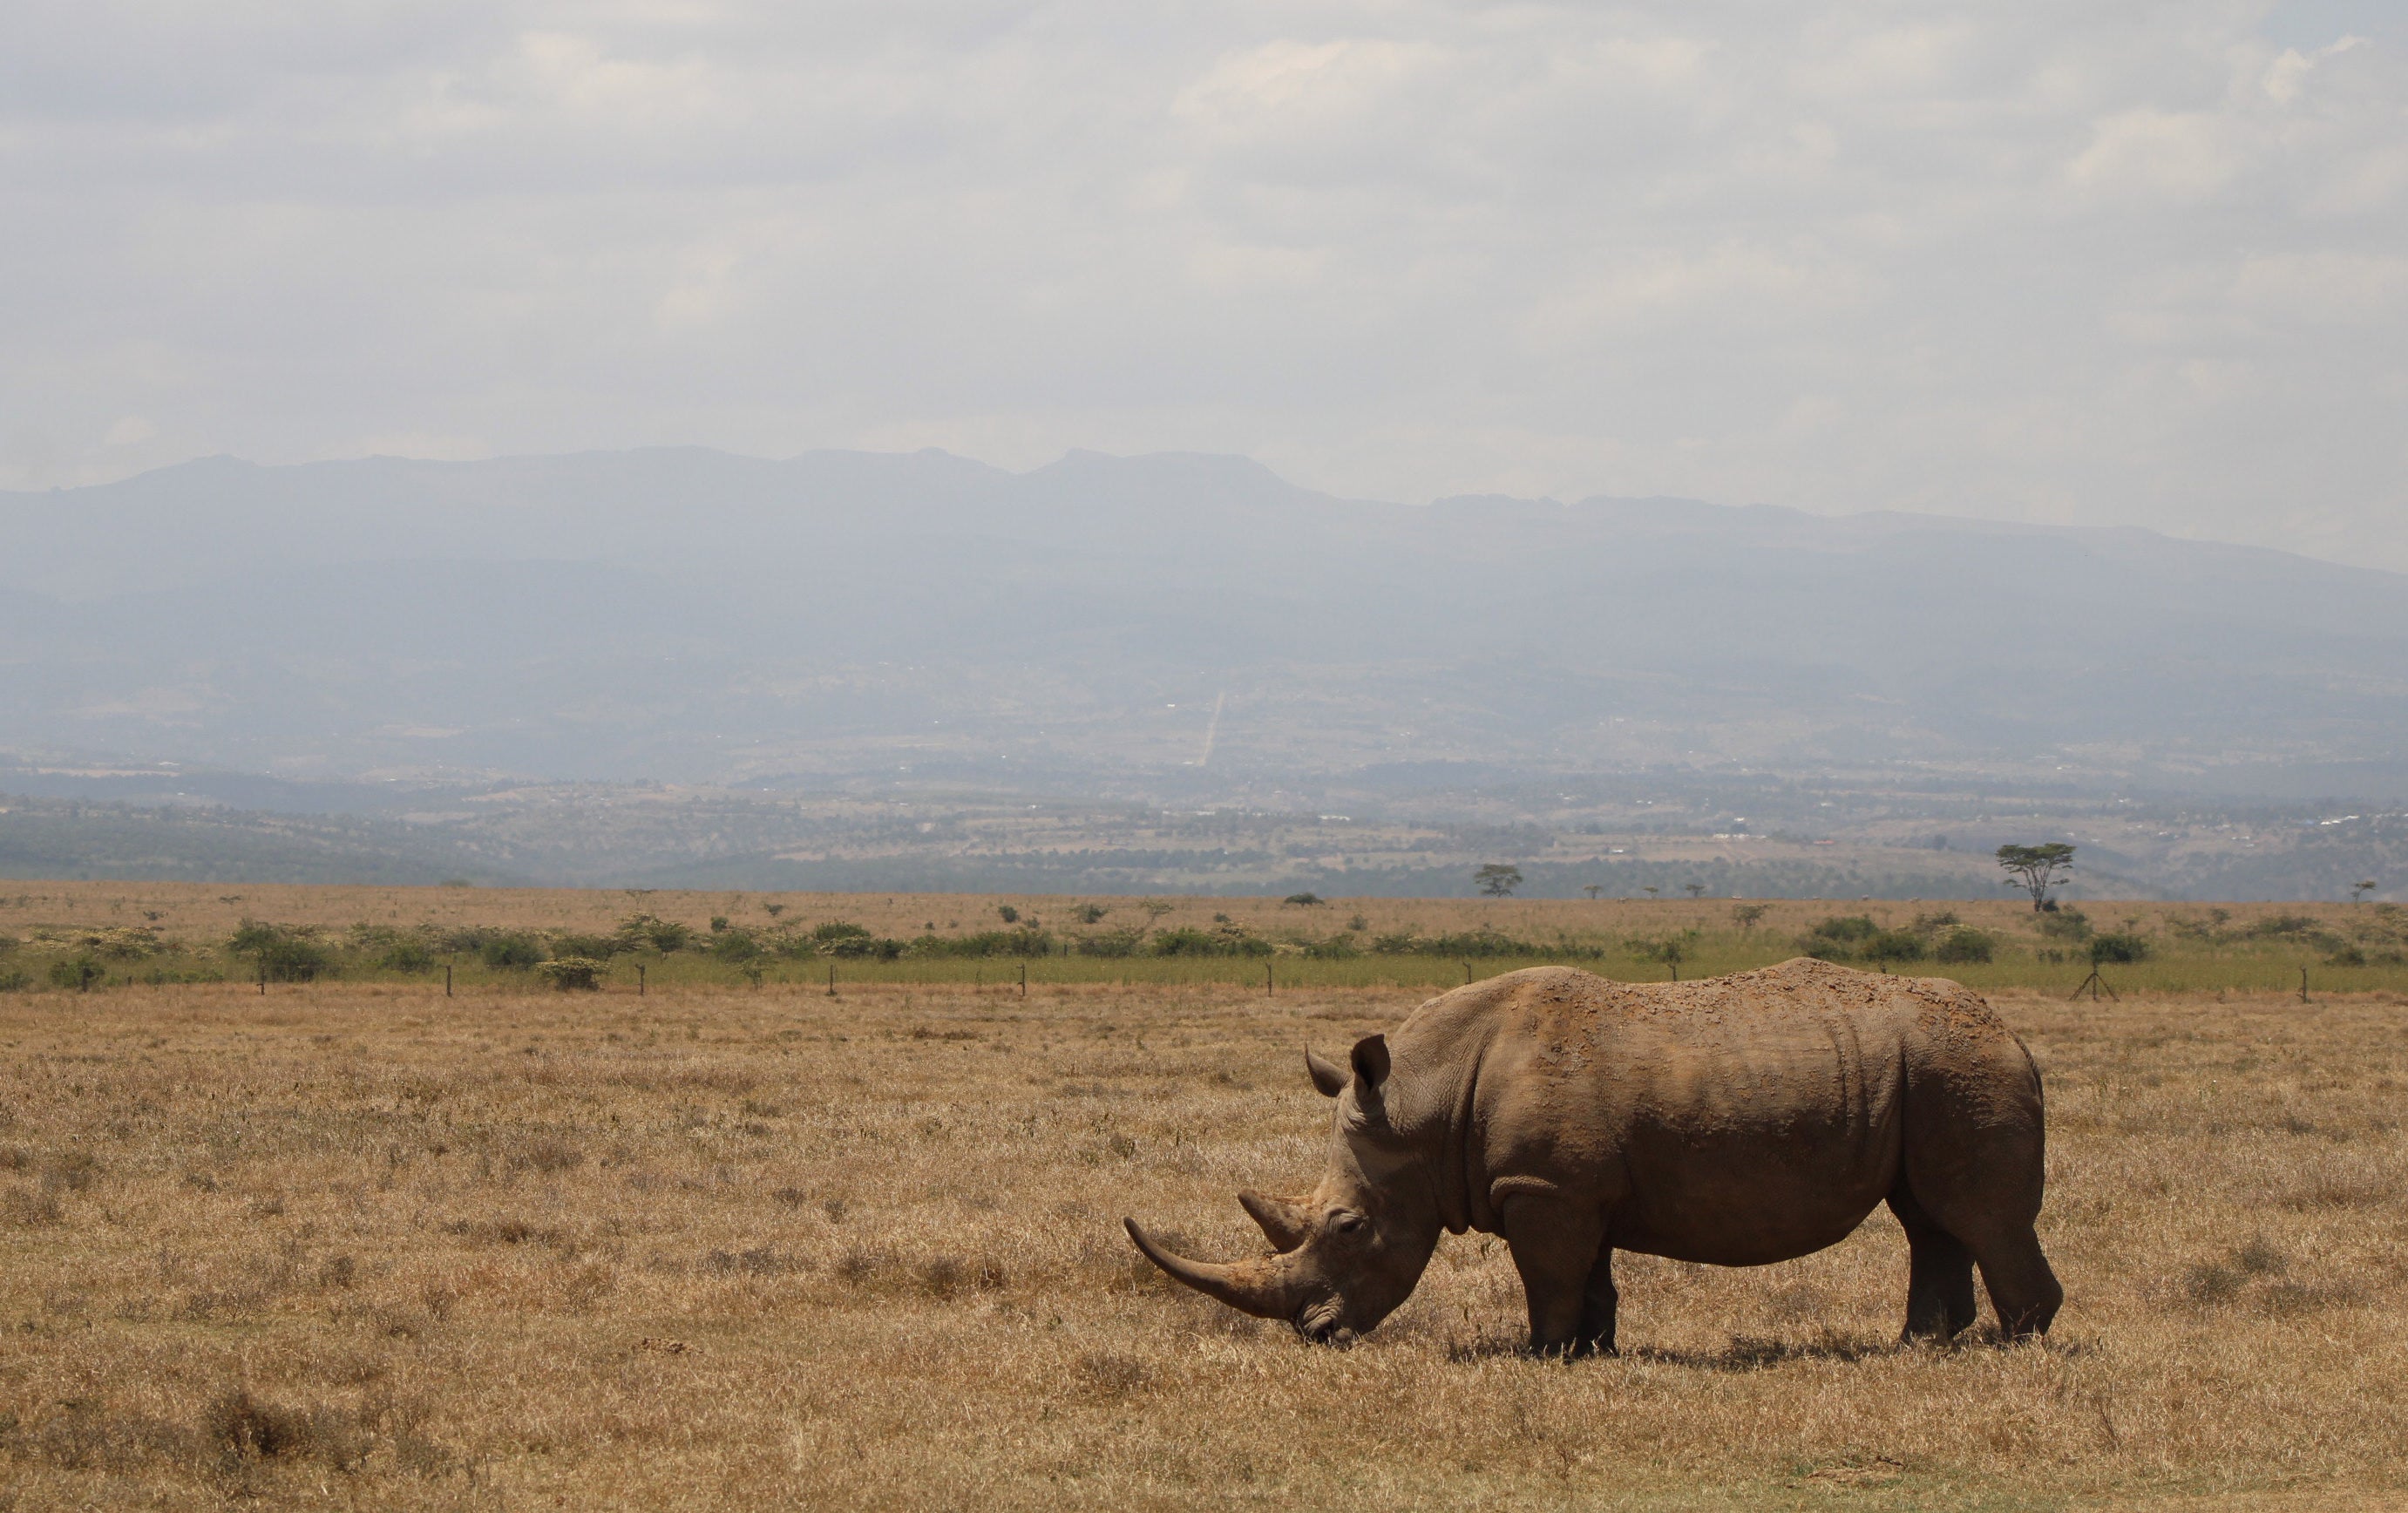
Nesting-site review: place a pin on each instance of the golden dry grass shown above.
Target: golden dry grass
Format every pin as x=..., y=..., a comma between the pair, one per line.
x=357, y=1245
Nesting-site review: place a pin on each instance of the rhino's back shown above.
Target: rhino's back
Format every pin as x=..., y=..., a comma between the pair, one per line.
x=1735, y=1118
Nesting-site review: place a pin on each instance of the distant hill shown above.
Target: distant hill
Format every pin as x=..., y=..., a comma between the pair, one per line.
x=682, y=613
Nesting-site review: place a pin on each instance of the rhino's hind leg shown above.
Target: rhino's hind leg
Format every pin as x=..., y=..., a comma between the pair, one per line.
x=1598, y=1305
x=2023, y=1289
x=1940, y=1272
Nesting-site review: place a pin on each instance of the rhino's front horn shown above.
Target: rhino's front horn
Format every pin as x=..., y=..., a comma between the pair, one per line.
x=1286, y=1223
x=1262, y=1288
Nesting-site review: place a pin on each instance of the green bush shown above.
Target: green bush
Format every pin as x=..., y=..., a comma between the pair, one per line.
x=737, y=945
x=2117, y=946
x=573, y=973
x=1966, y=944
x=407, y=956
x=1112, y=943
x=594, y=947
x=1189, y=941
x=285, y=952
x=76, y=971
x=980, y=943
x=1893, y=946
x=2067, y=923
x=648, y=931
x=1335, y=949
x=514, y=950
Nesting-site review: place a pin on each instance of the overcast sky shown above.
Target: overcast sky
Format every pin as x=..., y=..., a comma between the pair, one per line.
x=2054, y=260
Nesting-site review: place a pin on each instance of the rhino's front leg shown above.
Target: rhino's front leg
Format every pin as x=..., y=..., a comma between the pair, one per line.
x=1556, y=1245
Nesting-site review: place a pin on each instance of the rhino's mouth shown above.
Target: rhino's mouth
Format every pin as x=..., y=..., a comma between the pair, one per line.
x=1317, y=1323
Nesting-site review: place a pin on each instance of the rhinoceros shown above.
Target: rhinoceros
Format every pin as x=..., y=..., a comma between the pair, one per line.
x=1735, y=1121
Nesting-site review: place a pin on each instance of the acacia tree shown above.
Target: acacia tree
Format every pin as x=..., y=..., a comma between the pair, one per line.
x=1497, y=880
x=2036, y=869
x=1671, y=949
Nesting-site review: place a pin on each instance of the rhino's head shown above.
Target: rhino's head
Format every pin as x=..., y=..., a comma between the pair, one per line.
x=1349, y=1252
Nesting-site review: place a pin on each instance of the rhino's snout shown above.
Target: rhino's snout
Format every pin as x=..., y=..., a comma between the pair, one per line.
x=1319, y=1325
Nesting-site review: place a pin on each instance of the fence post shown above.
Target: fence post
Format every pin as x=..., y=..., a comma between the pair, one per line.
x=2303, y=984
x=1024, y=979
x=831, y=992
x=447, y=980
x=263, y=974
x=640, y=980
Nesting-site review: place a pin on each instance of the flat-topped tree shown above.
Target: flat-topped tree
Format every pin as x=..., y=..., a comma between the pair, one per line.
x=1497, y=880
x=2036, y=869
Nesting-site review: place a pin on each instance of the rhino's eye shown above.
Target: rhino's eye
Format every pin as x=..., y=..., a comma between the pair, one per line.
x=1347, y=1224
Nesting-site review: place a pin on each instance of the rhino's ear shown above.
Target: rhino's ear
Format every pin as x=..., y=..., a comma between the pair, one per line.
x=1328, y=1078
x=1370, y=1065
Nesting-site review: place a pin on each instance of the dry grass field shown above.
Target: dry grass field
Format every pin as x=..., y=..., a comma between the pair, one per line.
x=354, y=1244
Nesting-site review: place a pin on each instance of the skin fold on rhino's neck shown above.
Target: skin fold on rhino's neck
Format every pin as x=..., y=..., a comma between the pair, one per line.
x=1428, y=1112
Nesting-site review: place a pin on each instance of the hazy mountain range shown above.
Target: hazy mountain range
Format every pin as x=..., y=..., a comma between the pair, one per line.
x=687, y=614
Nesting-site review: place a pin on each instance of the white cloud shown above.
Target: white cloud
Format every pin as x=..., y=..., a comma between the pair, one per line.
x=2122, y=262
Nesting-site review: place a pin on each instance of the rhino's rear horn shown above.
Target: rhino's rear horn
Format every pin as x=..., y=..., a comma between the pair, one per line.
x=1264, y=1288
x=1283, y=1220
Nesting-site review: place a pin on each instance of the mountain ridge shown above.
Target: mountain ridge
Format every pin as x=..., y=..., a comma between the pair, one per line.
x=690, y=613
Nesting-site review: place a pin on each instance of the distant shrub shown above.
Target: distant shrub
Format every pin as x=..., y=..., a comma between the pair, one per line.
x=512, y=950
x=853, y=942
x=1008, y=914
x=1334, y=948
x=2066, y=923
x=1965, y=944
x=2117, y=946
x=1892, y=945
x=1113, y=943
x=285, y=952
x=1090, y=913
x=573, y=973
x=406, y=956
x=736, y=945
x=121, y=943
x=1190, y=941
x=598, y=948
x=2283, y=927
x=1305, y=900
x=77, y=972
x=1013, y=943
x=647, y=931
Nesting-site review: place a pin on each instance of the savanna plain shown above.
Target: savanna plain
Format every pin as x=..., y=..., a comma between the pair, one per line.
x=351, y=1243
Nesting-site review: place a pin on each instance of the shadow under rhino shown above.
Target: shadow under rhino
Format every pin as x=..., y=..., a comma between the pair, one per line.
x=1735, y=1122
